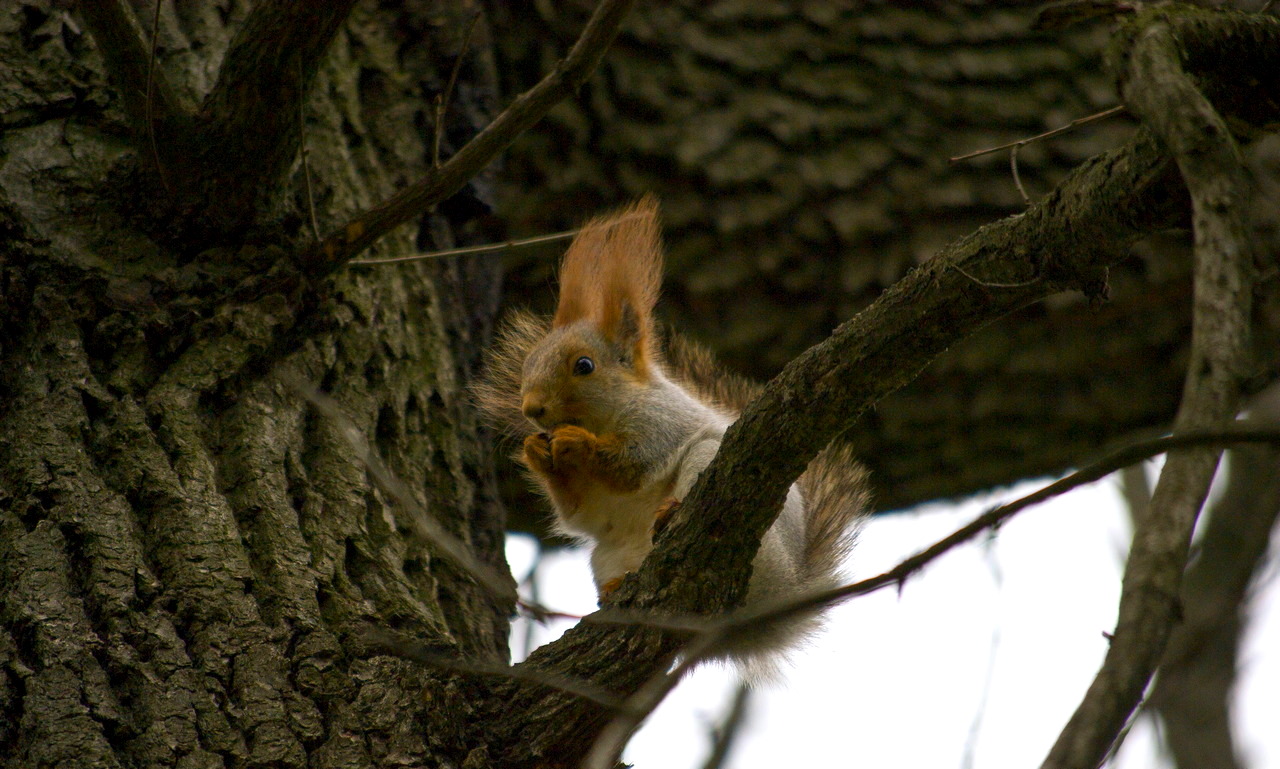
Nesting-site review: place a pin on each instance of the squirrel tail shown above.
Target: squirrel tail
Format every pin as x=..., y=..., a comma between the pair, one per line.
x=835, y=490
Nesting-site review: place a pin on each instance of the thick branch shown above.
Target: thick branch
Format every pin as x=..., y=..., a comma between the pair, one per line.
x=1164, y=97
x=250, y=118
x=439, y=183
x=123, y=46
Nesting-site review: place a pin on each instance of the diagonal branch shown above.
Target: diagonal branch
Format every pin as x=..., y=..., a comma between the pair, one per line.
x=1160, y=92
x=249, y=120
x=439, y=183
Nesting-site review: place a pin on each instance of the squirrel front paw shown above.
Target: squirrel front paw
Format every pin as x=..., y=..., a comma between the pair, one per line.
x=537, y=452
x=607, y=589
x=572, y=449
x=663, y=516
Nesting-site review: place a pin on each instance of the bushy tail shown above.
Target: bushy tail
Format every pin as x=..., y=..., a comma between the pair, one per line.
x=837, y=499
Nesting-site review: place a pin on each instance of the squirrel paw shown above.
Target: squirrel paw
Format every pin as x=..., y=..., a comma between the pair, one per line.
x=537, y=452
x=662, y=516
x=608, y=588
x=572, y=448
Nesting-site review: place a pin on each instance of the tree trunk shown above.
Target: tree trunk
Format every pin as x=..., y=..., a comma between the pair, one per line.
x=189, y=549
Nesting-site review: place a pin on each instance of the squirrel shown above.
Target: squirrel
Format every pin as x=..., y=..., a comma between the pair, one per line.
x=616, y=426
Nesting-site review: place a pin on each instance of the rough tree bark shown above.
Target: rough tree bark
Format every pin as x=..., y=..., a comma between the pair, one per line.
x=191, y=553
x=185, y=543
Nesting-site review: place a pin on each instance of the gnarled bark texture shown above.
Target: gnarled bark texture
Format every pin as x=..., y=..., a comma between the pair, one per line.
x=187, y=548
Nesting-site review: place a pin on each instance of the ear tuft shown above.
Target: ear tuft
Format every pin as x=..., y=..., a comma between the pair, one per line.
x=611, y=275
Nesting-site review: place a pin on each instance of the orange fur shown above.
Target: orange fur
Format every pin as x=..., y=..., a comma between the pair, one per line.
x=611, y=276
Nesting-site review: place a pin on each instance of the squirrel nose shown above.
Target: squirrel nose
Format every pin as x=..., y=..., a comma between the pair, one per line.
x=533, y=409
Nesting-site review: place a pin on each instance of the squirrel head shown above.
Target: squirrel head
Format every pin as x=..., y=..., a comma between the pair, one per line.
x=600, y=349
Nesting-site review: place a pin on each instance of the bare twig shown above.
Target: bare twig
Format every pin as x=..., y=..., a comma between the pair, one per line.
x=993, y=284
x=485, y=249
x=1017, y=178
x=306, y=162
x=1106, y=113
x=726, y=733
x=439, y=183
x=1166, y=99
x=442, y=100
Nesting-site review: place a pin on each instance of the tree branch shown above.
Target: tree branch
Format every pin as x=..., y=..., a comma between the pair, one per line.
x=439, y=183
x=123, y=46
x=249, y=120
x=1192, y=694
x=1158, y=90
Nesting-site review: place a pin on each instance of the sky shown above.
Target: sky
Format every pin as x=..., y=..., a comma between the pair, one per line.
x=976, y=664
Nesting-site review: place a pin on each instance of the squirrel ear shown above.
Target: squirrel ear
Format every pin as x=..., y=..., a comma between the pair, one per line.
x=631, y=273
x=611, y=276
x=580, y=289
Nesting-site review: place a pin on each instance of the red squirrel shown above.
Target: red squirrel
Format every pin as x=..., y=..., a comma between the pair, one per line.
x=616, y=429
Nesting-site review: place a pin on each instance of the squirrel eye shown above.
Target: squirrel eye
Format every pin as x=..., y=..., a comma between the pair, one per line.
x=583, y=366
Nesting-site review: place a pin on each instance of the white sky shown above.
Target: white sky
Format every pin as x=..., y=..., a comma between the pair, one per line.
x=899, y=680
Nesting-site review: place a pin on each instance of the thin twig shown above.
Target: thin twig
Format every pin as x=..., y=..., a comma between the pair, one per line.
x=990, y=284
x=724, y=735
x=341, y=245
x=533, y=241
x=1106, y=113
x=306, y=163
x=150, y=108
x=442, y=100
x=1017, y=180
x=485, y=249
